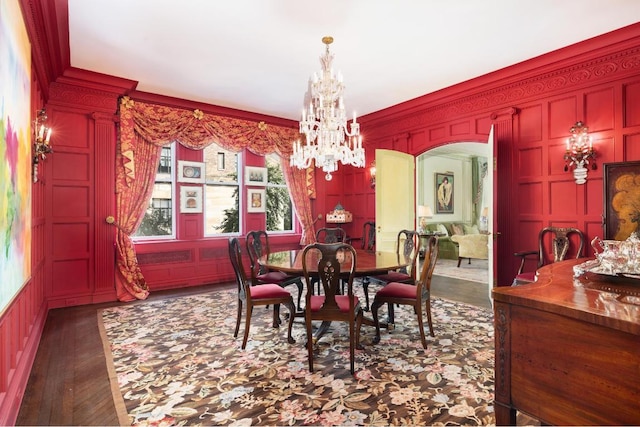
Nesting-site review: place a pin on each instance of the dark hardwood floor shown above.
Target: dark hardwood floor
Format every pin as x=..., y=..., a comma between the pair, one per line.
x=69, y=382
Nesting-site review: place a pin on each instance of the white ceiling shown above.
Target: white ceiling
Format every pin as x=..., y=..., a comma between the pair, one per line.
x=257, y=55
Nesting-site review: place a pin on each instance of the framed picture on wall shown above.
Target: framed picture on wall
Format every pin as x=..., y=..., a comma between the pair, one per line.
x=192, y=172
x=255, y=176
x=621, y=199
x=256, y=200
x=190, y=199
x=444, y=192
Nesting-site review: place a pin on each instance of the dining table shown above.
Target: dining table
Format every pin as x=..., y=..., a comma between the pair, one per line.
x=368, y=263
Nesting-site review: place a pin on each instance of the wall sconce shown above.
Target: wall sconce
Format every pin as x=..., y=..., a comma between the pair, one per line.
x=42, y=135
x=424, y=212
x=579, y=151
x=372, y=173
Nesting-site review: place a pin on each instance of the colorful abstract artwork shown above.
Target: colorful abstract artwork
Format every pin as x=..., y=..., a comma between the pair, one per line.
x=15, y=152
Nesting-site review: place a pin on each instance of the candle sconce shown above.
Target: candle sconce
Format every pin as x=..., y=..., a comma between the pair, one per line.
x=579, y=151
x=42, y=136
x=372, y=174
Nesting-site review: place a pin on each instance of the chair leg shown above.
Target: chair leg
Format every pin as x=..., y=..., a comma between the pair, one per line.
x=427, y=306
x=376, y=322
x=359, y=319
x=292, y=315
x=459, y=259
x=421, y=328
x=235, y=333
x=469, y=260
x=365, y=286
x=300, y=287
x=352, y=343
x=247, y=325
x=392, y=317
x=276, y=315
x=309, y=342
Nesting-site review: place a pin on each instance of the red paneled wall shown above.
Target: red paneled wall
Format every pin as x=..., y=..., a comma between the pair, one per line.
x=531, y=106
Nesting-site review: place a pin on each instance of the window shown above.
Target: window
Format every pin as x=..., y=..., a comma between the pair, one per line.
x=221, y=192
x=279, y=208
x=158, y=219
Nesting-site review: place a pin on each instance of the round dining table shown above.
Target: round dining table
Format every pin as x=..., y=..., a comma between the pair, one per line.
x=368, y=263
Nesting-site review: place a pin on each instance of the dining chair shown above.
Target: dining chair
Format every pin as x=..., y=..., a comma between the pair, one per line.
x=407, y=246
x=369, y=235
x=411, y=294
x=263, y=294
x=554, y=244
x=257, y=246
x=323, y=260
x=331, y=235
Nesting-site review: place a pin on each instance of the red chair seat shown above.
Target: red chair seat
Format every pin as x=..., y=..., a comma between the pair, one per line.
x=268, y=291
x=393, y=276
x=397, y=290
x=272, y=277
x=342, y=300
x=526, y=277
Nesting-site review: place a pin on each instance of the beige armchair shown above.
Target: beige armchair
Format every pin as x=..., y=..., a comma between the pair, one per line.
x=472, y=246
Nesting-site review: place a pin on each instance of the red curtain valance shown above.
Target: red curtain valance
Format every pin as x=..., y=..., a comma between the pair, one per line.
x=162, y=125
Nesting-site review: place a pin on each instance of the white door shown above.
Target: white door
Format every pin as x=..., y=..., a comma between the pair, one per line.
x=395, y=196
x=492, y=254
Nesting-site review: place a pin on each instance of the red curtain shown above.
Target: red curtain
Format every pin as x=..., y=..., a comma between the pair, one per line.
x=145, y=128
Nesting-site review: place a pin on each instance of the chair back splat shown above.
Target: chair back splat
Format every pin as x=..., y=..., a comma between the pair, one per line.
x=410, y=294
x=263, y=294
x=331, y=235
x=324, y=262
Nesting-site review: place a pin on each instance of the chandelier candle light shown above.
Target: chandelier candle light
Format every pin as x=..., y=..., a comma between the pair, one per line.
x=579, y=151
x=41, y=146
x=329, y=138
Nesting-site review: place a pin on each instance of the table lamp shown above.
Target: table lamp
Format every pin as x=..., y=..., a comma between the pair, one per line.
x=424, y=212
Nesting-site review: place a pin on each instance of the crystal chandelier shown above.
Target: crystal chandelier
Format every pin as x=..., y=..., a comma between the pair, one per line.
x=329, y=139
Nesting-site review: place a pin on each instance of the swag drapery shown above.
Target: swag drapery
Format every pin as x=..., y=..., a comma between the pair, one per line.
x=145, y=129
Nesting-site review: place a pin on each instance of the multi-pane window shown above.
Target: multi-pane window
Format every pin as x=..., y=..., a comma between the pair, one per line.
x=279, y=209
x=158, y=219
x=221, y=191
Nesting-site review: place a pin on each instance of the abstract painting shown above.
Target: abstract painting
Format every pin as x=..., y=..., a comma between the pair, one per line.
x=15, y=152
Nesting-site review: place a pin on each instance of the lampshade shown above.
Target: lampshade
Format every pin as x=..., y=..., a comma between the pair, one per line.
x=425, y=211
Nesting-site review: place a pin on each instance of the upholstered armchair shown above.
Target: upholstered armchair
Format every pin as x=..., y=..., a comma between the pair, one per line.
x=472, y=246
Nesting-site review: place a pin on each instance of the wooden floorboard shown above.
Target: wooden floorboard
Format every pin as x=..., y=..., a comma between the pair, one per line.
x=69, y=382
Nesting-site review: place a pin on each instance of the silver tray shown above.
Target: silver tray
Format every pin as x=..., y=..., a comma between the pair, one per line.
x=594, y=267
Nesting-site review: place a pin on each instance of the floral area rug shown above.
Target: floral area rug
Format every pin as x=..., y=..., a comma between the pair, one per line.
x=176, y=362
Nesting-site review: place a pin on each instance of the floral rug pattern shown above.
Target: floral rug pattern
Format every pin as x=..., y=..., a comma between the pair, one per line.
x=177, y=363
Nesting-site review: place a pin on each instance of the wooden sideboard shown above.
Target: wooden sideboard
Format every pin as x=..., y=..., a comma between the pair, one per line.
x=567, y=350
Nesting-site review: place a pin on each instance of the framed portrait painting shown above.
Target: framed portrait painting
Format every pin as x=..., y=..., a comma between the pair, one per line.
x=255, y=176
x=444, y=192
x=190, y=199
x=192, y=172
x=621, y=213
x=256, y=200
